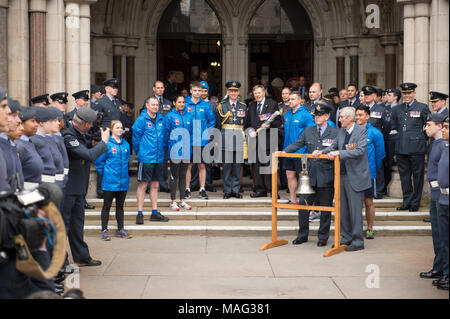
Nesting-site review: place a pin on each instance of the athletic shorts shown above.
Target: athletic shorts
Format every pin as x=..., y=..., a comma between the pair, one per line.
x=150, y=172
x=370, y=192
x=292, y=164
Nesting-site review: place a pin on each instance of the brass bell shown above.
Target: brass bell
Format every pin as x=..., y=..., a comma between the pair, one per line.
x=304, y=183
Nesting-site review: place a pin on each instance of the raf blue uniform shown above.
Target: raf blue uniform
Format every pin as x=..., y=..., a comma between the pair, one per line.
x=443, y=180
x=42, y=146
x=321, y=173
x=409, y=121
x=81, y=155
x=12, y=161
x=32, y=164
x=109, y=107
x=230, y=121
x=3, y=178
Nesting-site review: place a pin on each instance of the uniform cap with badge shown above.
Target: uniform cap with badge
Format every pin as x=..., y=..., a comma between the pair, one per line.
x=40, y=99
x=394, y=91
x=436, y=118
x=368, y=90
x=84, y=94
x=205, y=85
x=14, y=105
x=233, y=85
x=408, y=87
x=60, y=97
x=113, y=82
x=95, y=88
x=44, y=115
x=26, y=113
x=86, y=114
x=436, y=96
x=322, y=108
x=57, y=112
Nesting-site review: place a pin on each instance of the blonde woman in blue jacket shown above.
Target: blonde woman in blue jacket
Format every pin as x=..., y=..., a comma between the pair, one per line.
x=113, y=166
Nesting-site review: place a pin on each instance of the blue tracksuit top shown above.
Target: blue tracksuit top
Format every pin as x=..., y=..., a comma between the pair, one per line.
x=204, y=119
x=375, y=149
x=294, y=125
x=148, y=141
x=177, y=132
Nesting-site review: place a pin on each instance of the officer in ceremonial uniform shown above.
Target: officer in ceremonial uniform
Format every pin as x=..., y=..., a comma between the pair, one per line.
x=81, y=100
x=231, y=115
x=109, y=105
x=378, y=119
x=40, y=100
x=59, y=100
x=438, y=101
x=409, y=119
x=321, y=173
x=81, y=155
x=393, y=95
x=32, y=164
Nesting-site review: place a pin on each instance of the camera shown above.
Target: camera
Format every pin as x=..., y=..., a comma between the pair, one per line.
x=94, y=133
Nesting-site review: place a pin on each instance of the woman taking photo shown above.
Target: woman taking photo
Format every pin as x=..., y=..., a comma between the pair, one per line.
x=177, y=131
x=113, y=166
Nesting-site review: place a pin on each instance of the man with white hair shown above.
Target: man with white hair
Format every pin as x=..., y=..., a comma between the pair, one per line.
x=351, y=147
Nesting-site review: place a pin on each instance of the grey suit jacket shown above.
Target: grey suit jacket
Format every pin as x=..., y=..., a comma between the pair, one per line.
x=356, y=161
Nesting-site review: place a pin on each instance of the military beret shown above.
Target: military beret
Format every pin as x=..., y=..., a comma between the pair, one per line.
x=408, y=87
x=233, y=85
x=3, y=94
x=40, y=99
x=26, y=113
x=436, y=96
x=44, y=115
x=114, y=83
x=81, y=95
x=322, y=108
x=394, y=91
x=102, y=90
x=205, y=85
x=333, y=90
x=14, y=105
x=368, y=89
x=436, y=117
x=57, y=112
x=86, y=114
x=60, y=97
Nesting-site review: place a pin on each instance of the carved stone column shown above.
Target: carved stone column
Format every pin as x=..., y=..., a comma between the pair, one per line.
x=132, y=45
x=72, y=50
x=422, y=48
x=119, y=48
x=56, y=47
x=390, y=42
x=4, y=42
x=353, y=45
x=152, y=60
x=339, y=44
x=85, y=46
x=37, y=20
x=439, y=43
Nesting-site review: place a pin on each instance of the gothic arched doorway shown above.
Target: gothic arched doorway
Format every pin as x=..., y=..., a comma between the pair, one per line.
x=189, y=41
x=280, y=42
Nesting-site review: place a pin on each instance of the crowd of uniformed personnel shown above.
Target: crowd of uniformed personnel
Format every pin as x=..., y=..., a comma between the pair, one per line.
x=369, y=129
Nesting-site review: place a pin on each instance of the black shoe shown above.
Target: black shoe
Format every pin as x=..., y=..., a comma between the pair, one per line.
x=203, y=194
x=211, y=189
x=147, y=190
x=140, y=219
x=435, y=282
x=403, y=207
x=379, y=196
x=89, y=262
x=60, y=277
x=158, y=217
x=99, y=195
x=241, y=190
x=227, y=196
x=187, y=194
x=443, y=283
x=321, y=243
x=354, y=248
x=427, y=220
x=87, y=206
x=258, y=194
x=237, y=195
x=431, y=274
x=59, y=291
x=298, y=241
x=59, y=286
x=414, y=209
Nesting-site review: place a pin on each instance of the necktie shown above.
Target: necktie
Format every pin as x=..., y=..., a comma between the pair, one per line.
x=233, y=105
x=350, y=103
x=259, y=108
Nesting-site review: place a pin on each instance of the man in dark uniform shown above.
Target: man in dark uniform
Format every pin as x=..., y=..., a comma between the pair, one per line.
x=81, y=155
x=393, y=95
x=257, y=114
x=433, y=129
x=127, y=119
x=352, y=91
x=443, y=172
x=315, y=95
x=321, y=173
x=378, y=120
x=409, y=119
x=40, y=100
x=59, y=100
x=438, y=101
x=96, y=94
x=109, y=105
x=170, y=87
x=230, y=120
x=81, y=100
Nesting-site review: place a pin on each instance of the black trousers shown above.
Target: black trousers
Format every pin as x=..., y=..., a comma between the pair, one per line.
x=388, y=161
x=322, y=197
x=108, y=197
x=443, y=231
x=178, y=178
x=411, y=166
x=73, y=215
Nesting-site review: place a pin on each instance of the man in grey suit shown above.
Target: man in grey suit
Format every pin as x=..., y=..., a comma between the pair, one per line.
x=351, y=146
x=321, y=173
